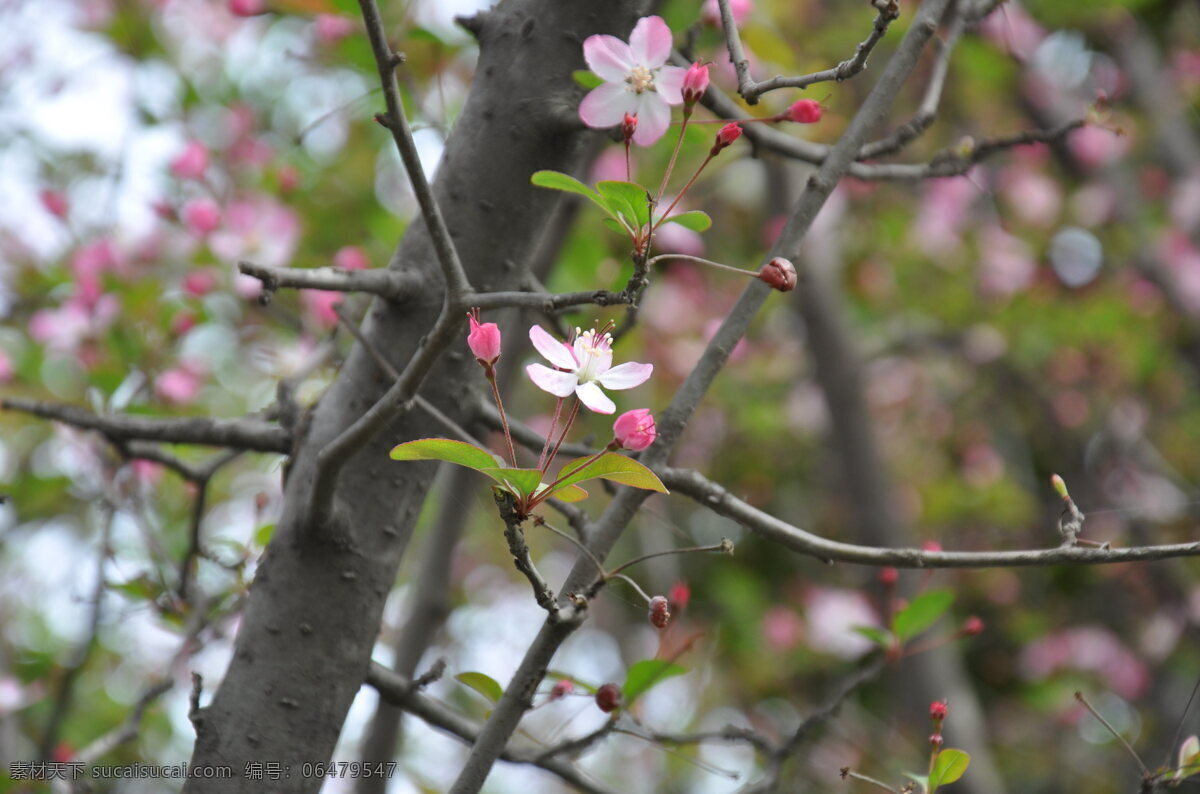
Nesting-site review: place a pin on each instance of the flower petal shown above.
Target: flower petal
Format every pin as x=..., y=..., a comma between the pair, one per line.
x=654, y=116
x=606, y=106
x=554, y=351
x=608, y=57
x=650, y=42
x=590, y=395
x=560, y=384
x=669, y=84
x=626, y=376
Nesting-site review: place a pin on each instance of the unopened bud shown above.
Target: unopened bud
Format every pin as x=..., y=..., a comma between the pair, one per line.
x=804, y=111
x=725, y=137
x=779, y=273
x=562, y=688
x=660, y=612
x=888, y=576
x=973, y=626
x=628, y=127
x=695, y=83
x=937, y=710
x=1060, y=486
x=935, y=741
x=608, y=698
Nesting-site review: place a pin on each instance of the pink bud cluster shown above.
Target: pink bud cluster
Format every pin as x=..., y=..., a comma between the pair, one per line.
x=660, y=612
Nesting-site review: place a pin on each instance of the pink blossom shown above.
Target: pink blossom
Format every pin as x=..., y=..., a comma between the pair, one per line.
x=200, y=282
x=146, y=471
x=332, y=28
x=484, y=341
x=636, y=78
x=671, y=238
x=634, y=430
x=246, y=8
x=739, y=9
x=181, y=384
x=88, y=264
x=1032, y=196
x=1006, y=263
x=804, y=111
x=64, y=329
x=351, y=257
x=6, y=367
x=944, y=210
x=832, y=614
x=1095, y=146
x=610, y=166
x=54, y=202
x=583, y=368
x=319, y=304
x=782, y=629
x=1010, y=26
x=1091, y=649
x=201, y=216
x=192, y=162
x=259, y=229
x=725, y=138
x=680, y=595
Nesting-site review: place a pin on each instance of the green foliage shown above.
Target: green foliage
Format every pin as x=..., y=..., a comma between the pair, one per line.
x=483, y=684
x=948, y=766
x=921, y=613
x=644, y=675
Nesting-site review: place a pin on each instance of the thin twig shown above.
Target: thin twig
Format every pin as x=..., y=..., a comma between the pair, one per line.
x=247, y=434
x=1137, y=759
x=390, y=284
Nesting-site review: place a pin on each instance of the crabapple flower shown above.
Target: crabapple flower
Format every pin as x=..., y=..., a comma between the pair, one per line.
x=484, y=341
x=725, y=138
x=804, y=111
x=191, y=162
x=695, y=83
x=634, y=430
x=201, y=215
x=246, y=8
x=582, y=368
x=54, y=202
x=636, y=78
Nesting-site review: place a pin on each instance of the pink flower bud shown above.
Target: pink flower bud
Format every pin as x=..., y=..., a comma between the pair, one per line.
x=695, y=83
x=725, y=137
x=779, y=273
x=629, y=127
x=246, y=8
x=608, y=698
x=680, y=595
x=200, y=282
x=191, y=162
x=931, y=545
x=634, y=430
x=937, y=710
x=973, y=626
x=201, y=215
x=888, y=576
x=562, y=688
x=660, y=612
x=484, y=341
x=54, y=202
x=804, y=111
x=935, y=741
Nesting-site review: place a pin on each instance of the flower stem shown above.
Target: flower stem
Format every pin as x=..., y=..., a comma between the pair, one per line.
x=702, y=261
x=563, y=475
x=679, y=196
x=512, y=455
x=550, y=434
x=662, y=188
x=561, y=438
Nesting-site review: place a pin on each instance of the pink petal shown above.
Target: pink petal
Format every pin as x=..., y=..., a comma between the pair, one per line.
x=669, y=84
x=560, y=384
x=590, y=395
x=606, y=106
x=554, y=351
x=654, y=116
x=626, y=376
x=608, y=57
x=650, y=42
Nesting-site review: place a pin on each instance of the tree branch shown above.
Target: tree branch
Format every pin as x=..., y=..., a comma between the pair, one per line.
x=547, y=303
x=389, y=284
x=246, y=434
x=398, y=690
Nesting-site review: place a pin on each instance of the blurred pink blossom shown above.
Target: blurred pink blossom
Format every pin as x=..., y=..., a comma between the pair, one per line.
x=1006, y=263
x=332, y=28
x=319, y=305
x=738, y=9
x=192, y=162
x=88, y=263
x=146, y=471
x=1010, y=26
x=1182, y=260
x=1094, y=146
x=1184, y=205
x=782, y=629
x=1032, y=196
x=351, y=257
x=831, y=615
x=246, y=8
x=201, y=216
x=609, y=166
x=945, y=207
x=6, y=367
x=54, y=202
x=200, y=282
x=259, y=229
x=180, y=385
x=982, y=465
x=1090, y=649
x=64, y=328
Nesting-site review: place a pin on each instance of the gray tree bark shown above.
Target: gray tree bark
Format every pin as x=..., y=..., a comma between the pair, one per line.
x=311, y=620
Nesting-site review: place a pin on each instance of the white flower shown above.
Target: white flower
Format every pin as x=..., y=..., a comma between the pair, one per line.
x=583, y=368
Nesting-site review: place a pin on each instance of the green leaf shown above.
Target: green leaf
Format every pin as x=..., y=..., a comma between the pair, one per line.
x=1189, y=758
x=556, y=180
x=522, y=482
x=948, y=767
x=921, y=613
x=587, y=78
x=459, y=452
x=571, y=493
x=626, y=199
x=645, y=674
x=695, y=220
x=921, y=780
x=615, y=225
x=880, y=637
x=609, y=466
x=483, y=684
